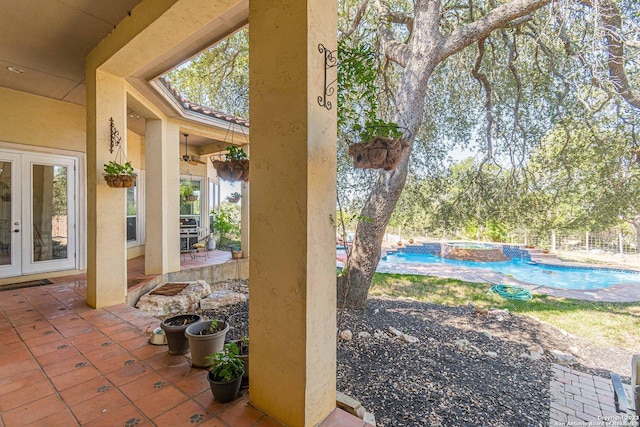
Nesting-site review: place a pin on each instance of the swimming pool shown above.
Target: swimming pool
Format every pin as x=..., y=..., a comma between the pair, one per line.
x=584, y=278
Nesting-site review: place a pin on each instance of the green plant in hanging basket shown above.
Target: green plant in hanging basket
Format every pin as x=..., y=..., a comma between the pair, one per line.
x=235, y=166
x=119, y=175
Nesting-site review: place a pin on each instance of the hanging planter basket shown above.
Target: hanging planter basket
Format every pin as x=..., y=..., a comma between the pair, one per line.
x=232, y=170
x=191, y=198
x=377, y=153
x=120, y=181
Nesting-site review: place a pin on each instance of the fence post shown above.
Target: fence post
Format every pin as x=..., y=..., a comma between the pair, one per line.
x=526, y=237
x=553, y=240
x=587, y=245
x=621, y=243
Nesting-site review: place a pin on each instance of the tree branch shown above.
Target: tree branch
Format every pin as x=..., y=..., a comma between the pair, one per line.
x=496, y=18
x=484, y=81
x=356, y=20
x=396, y=51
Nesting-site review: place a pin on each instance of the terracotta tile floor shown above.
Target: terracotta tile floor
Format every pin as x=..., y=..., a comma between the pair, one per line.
x=63, y=363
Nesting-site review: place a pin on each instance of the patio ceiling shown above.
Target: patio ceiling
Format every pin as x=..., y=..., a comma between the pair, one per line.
x=44, y=44
x=48, y=41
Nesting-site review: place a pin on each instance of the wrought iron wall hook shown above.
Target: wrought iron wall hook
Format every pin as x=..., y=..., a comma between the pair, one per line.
x=115, y=136
x=330, y=61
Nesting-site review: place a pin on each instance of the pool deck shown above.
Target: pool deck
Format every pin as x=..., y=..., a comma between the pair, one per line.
x=615, y=293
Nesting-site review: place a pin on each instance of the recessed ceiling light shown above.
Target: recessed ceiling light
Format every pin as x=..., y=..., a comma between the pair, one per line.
x=133, y=116
x=15, y=70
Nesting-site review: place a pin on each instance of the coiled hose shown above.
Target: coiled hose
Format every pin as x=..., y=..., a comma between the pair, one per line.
x=512, y=292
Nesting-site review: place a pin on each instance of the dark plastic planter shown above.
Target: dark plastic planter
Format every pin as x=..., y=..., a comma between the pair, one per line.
x=224, y=392
x=174, y=328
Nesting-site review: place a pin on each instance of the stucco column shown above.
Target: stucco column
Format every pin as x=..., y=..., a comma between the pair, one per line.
x=106, y=221
x=293, y=186
x=162, y=180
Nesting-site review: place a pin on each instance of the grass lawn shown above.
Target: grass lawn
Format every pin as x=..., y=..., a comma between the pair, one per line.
x=604, y=324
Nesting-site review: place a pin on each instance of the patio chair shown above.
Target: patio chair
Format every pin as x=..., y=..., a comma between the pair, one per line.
x=629, y=404
x=202, y=246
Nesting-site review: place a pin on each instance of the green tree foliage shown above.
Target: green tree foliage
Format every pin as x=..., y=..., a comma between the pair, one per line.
x=226, y=224
x=219, y=77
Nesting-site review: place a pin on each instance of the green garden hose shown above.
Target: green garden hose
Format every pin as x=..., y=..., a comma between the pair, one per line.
x=512, y=292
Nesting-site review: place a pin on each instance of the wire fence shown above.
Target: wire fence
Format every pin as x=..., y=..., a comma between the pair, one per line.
x=608, y=242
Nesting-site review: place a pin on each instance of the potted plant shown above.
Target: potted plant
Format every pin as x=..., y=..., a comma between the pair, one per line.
x=234, y=197
x=186, y=191
x=381, y=145
x=243, y=354
x=118, y=175
x=236, y=252
x=205, y=337
x=235, y=167
x=239, y=334
x=174, y=328
x=225, y=374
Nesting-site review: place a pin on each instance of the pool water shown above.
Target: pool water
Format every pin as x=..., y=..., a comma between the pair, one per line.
x=584, y=278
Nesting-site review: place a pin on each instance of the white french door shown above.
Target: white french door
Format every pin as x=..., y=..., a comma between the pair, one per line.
x=37, y=213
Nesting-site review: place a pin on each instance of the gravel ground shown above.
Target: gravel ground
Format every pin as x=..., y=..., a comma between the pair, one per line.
x=442, y=381
x=466, y=369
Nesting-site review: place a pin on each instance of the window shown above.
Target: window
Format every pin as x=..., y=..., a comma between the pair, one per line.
x=191, y=199
x=213, y=200
x=134, y=212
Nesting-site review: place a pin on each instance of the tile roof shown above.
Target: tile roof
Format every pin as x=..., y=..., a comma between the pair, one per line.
x=187, y=105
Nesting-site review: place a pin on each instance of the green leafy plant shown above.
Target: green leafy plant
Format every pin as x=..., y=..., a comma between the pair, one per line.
x=377, y=127
x=225, y=225
x=358, y=93
x=235, y=152
x=212, y=329
x=225, y=365
x=114, y=168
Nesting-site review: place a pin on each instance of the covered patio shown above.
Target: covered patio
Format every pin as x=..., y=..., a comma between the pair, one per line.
x=72, y=73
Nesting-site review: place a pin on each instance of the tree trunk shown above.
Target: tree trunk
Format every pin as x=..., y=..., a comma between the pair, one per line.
x=365, y=251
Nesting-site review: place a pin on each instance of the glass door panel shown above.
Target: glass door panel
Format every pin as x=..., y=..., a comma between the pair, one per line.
x=49, y=212
x=51, y=207
x=10, y=225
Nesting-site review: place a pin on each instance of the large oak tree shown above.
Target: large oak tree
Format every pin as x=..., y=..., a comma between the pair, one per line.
x=434, y=31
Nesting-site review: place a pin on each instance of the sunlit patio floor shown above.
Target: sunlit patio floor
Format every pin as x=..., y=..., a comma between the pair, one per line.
x=63, y=363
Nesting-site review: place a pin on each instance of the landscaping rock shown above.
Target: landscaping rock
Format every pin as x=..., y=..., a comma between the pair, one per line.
x=564, y=358
x=185, y=301
x=486, y=334
x=346, y=335
x=222, y=298
x=364, y=335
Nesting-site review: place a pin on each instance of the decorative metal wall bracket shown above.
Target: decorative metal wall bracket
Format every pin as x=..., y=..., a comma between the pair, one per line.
x=115, y=136
x=330, y=61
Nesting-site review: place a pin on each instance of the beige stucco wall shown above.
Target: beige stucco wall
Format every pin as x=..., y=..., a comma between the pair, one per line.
x=135, y=149
x=33, y=120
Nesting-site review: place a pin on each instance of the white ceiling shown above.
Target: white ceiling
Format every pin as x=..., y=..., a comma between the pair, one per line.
x=49, y=39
